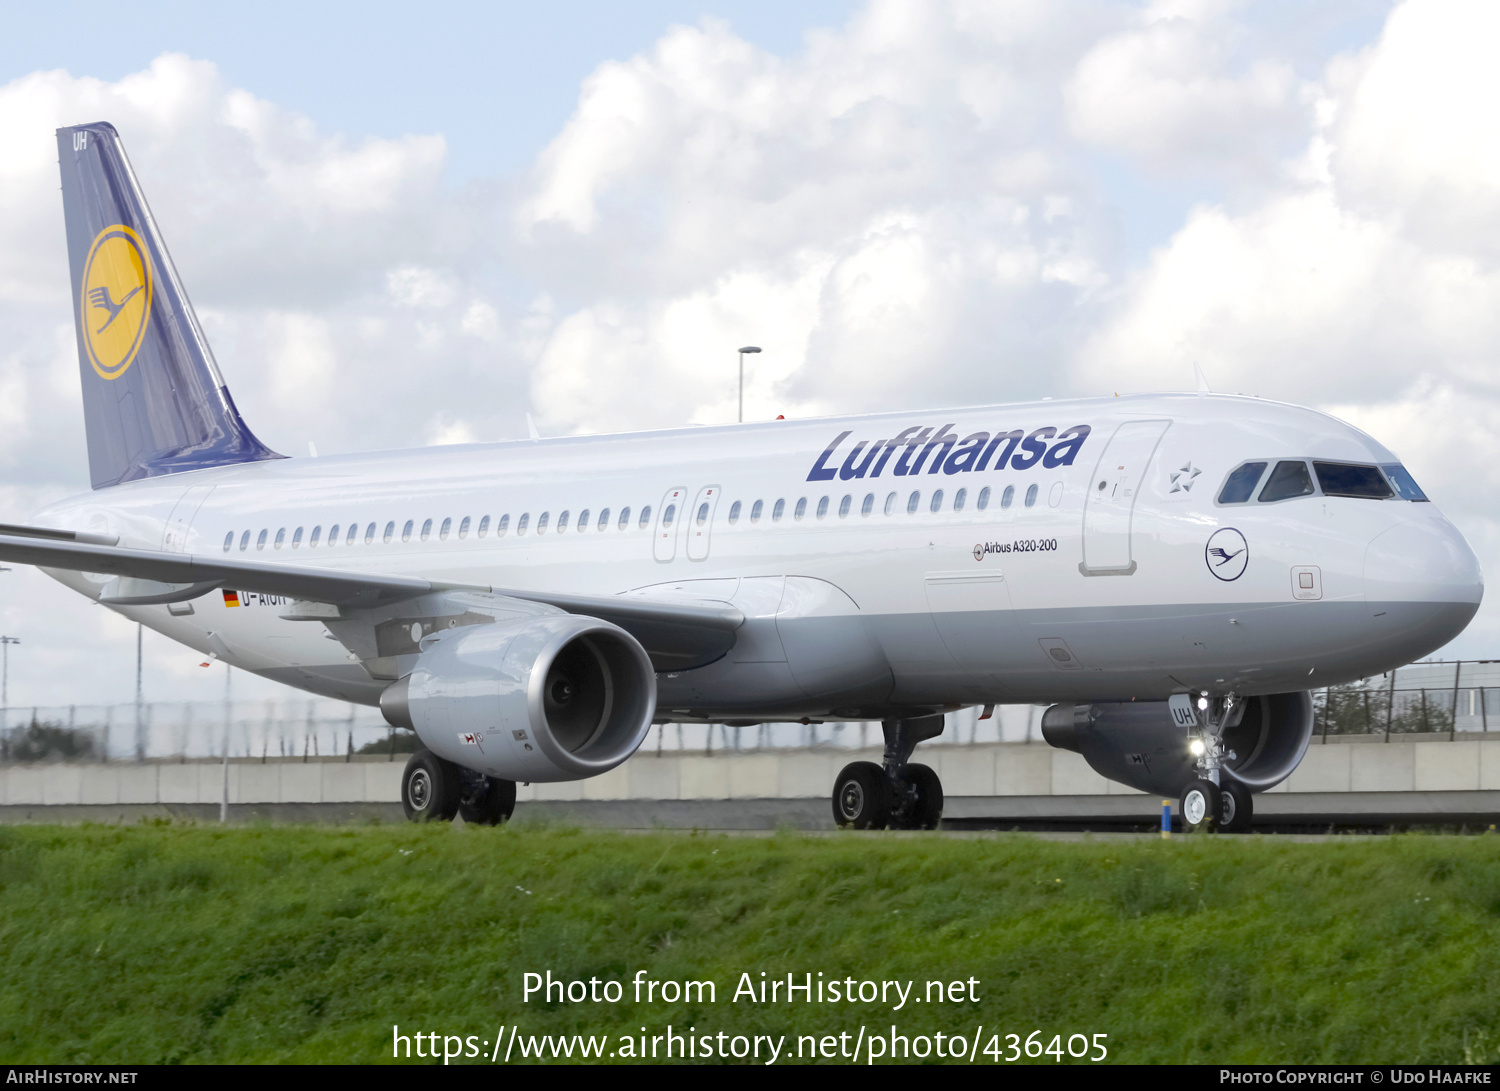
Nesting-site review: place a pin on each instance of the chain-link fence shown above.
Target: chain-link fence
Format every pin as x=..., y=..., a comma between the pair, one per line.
x=1453, y=697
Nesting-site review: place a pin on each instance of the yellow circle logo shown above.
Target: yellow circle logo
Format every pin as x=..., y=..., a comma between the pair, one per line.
x=116, y=303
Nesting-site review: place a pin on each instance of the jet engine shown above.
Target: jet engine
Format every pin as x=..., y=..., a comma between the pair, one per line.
x=1137, y=744
x=555, y=697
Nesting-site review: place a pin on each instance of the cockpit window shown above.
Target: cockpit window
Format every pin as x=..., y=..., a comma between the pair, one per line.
x=1240, y=485
x=1343, y=479
x=1287, y=480
x=1405, y=486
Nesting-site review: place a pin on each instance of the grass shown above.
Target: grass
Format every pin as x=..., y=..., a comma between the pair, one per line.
x=176, y=943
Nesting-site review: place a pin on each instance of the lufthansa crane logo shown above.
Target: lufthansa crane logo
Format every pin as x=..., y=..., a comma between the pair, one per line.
x=116, y=300
x=1227, y=553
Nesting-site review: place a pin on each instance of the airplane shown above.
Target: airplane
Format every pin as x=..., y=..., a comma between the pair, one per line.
x=1170, y=573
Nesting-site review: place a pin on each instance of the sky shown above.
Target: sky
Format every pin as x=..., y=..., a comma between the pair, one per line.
x=408, y=225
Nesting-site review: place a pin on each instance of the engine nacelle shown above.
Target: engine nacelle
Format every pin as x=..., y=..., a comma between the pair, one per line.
x=556, y=697
x=1137, y=744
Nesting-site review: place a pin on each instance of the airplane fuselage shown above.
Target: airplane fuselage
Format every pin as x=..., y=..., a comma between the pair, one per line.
x=1055, y=550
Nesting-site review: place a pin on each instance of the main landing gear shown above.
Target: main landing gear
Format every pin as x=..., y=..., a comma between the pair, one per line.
x=1213, y=800
x=895, y=794
x=434, y=789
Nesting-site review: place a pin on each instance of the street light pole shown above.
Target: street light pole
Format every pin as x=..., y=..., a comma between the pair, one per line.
x=5, y=643
x=747, y=348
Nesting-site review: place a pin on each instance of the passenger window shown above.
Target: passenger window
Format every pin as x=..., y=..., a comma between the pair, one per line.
x=443, y=530
x=260, y=540
x=280, y=537
x=645, y=520
x=369, y=534
x=562, y=523
x=463, y=529
x=484, y=526
x=228, y=541
x=426, y=530
x=542, y=521
x=913, y=502
x=296, y=537
x=937, y=502
x=958, y=499
x=890, y=503
x=844, y=505
x=244, y=541
x=984, y=498
x=801, y=508
x=406, y=530
x=1287, y=480
x=522, y=523
x=755, y=510
x=868, y=505
x=624, y=518
x=390, y=532
x=583, y=519
x=702, y=516
x=822, y=507
x=603, y=519
x=1405, y=485
x=734, y=513
x=1008, y=497
x=333, y=534
x=502, y=526
x=1240, y=485
x=669, y=515
x=777, y=511
x=1031, y=496
x=1342, y=479
x=312, y=539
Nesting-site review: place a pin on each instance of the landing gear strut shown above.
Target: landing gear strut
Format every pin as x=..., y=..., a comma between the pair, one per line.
x=896, y=793
x=1214, y=800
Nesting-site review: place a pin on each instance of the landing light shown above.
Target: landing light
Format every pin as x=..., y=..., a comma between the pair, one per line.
x=1196, y=746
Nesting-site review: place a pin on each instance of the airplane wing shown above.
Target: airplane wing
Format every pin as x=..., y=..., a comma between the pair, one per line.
x=672, y=631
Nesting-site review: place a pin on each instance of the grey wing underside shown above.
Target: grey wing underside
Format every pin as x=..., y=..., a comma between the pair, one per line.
x=679, y=632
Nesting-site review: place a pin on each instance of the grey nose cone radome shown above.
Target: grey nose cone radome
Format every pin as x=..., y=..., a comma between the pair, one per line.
x=1424, y=583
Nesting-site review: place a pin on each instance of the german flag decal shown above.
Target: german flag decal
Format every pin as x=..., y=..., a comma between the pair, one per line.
x=231, y=598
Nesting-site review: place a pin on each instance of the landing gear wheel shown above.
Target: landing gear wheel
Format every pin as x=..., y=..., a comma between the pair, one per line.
x=429, y=788
x=861, y=798
x=1200, y=808
x=927, y=812
x=1236, y=807
x=486, y=801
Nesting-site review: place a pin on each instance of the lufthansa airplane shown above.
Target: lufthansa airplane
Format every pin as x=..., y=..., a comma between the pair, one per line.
x=1172, y=573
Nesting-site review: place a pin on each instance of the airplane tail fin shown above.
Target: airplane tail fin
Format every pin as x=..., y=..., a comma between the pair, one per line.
x=154, y=402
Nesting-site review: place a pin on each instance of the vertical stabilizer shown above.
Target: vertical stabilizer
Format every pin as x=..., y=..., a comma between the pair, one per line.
x=153, y=400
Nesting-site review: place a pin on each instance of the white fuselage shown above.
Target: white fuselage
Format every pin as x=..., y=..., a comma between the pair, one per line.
x=1093, y=582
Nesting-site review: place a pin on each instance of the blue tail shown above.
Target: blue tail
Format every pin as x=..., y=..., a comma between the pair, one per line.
x=153, y=400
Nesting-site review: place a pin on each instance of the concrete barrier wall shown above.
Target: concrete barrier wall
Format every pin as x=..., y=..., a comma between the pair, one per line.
x=1351, y=764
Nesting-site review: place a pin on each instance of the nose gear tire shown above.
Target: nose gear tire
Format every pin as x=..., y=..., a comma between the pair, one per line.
x=1236, y=807
x=1201, y=806
x=861, y=798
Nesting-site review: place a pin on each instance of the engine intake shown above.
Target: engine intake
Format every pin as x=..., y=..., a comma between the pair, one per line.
x=557, y=697
x=1137, y=744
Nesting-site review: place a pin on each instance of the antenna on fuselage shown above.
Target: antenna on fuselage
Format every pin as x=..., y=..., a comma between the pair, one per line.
x=1202, y=380
x=531, y=428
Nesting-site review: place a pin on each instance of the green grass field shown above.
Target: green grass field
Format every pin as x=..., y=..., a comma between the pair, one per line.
x=158, y=943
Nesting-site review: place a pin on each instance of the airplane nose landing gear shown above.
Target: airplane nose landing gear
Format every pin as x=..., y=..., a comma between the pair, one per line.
x=1214, y=800
x=902, y=796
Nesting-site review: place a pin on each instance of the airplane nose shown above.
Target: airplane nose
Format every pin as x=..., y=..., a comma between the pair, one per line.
x=1425, y=579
